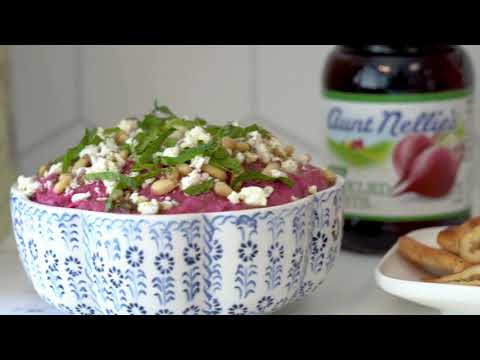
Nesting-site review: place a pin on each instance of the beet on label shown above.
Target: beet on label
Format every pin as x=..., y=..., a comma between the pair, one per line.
x=405, y=157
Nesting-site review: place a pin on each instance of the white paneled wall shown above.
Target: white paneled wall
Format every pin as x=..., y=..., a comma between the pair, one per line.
x=58, y=90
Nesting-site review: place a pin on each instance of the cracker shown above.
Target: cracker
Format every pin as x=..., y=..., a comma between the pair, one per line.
x=437, y=262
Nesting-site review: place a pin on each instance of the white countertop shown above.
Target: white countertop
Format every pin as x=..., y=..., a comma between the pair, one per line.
x=350, y=289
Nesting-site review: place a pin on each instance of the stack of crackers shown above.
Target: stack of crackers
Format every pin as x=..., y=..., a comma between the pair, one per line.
x=456, y=262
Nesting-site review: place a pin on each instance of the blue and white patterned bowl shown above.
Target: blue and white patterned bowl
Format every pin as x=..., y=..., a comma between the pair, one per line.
x=239, y=262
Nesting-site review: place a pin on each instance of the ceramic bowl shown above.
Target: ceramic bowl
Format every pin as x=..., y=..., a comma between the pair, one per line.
x=238, y=262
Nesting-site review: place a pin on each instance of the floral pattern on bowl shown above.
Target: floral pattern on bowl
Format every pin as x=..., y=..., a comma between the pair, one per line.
x=240, y=262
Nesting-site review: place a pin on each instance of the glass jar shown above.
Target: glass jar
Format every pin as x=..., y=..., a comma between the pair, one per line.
x=399, y=126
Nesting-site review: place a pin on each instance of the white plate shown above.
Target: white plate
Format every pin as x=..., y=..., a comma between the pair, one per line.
x=398, y=277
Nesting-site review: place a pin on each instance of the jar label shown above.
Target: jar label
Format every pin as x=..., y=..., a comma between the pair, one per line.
x=405, y=157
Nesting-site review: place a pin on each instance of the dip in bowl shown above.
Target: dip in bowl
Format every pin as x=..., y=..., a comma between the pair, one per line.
x=163, y=216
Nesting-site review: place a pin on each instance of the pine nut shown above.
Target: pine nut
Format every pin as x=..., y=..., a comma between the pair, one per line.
x=289, y=150
x=268, y=169
x=250, y=157
x=173, y=174
x=124, y=154
x=280, y=151
x=163, y=186
x=82, y=162
x=229, y=143
x=215, y=172
x=42, y=170
x=330, y=176
x=63, y=182
x=121, y=137
x=184, y=169
x=242, y=146
x=222, y=189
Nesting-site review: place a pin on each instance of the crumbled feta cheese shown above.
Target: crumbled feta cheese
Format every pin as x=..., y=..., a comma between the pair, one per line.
x=109, y=185
x=192, y=137
x=195, y=177
x=131, y=141
x=27, y=185
x=137, y=199
x=108, y=147
x=234, y=197
x=254, y=138
x=268, y=190
x=277, y=173
x=128, y=125
x=147, y=182
x=80, y=197
x=168, y=204
x=74, y=184
x=304, y=159
x=290, y=166
x=97, y=189
x=98, y=165
x=240, y=157
x=263, y=152
x=89, y=150
x=101, y=132
x=170, y=152
x=55, y=169
x=198, y=161
x=133, y=174
x=312, y=189
x=148, y=207
x=253, y=196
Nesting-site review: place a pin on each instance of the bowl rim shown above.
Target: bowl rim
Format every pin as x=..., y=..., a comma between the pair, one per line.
x=337, y=186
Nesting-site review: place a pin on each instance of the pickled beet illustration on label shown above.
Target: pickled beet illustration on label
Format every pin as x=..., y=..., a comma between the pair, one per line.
x=427, y=165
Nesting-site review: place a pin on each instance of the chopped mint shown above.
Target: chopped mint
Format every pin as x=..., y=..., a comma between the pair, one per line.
x=111, y=131
x=189, y=154
x=200, y=188
x=72, y=154
x=257, y=176
x=124, y=182
x=155, y=145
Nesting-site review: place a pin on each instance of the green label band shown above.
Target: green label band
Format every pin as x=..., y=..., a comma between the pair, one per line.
x=392, y=98
x=397, y=219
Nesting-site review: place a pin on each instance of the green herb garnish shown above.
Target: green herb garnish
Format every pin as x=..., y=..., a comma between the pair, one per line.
x=257, y=176
x=154, y=146
x=189, y=154
x=123, y=182
x=111, y=131
x=200, y=188
x=72, y=154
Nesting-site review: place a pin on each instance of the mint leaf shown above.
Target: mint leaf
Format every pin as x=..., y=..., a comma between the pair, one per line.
x=111, y=131
x=258, y=176
x=229, y=164
x=188, y=154
x=115, y=192
x=151, y=121
x=123, y=182
x=72, y=154
x=155, y=145
x=258, y=128
x=200, y=188
x=170, y=142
